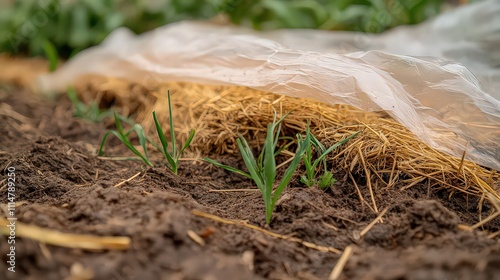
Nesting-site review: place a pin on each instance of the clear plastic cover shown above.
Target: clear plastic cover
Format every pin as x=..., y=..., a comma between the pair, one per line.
x=441, y=102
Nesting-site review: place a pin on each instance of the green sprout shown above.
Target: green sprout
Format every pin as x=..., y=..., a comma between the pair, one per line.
x=172, y=156
x=124, y=138
x=90, y=112
x=263, y=170
x=326, y=179
x=52, y=56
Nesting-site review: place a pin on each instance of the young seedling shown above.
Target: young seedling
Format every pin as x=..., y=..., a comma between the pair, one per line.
x=90, y=112
x=263, y=170
x=326, y=179
x=124, y=138
x=173, y=156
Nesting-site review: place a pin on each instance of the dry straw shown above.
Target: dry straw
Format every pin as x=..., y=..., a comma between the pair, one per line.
x=385, y=154
x=69, y=240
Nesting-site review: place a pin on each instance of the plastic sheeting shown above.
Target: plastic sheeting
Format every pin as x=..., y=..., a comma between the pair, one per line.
x=440, y=101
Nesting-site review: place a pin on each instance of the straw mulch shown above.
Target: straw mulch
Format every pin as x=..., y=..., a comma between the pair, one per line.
x=386, y=154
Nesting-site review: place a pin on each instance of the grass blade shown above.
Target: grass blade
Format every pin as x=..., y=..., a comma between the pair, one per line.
x=139, y=130
x=122, y=136
x=319, y=147
x=127, y=144
x=329, y=150
x=172, y=130
x=310, y=169
x=119, y=125
x=161, y=135
x=101, y=152
x=245, y=149
x=188, y=141
x=278, y=124
x=316, y=143
x=131, y=147
x=250, y=163
x=276, y=136
x=228, y=168
x=303, y=145
x=173, y=163
x=51, y=54
x=281, y=119
x=278, y=151
x=164, y=145
x=304, y=180
x=269, y=172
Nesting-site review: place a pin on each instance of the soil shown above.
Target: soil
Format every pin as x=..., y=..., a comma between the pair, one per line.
x=62, y=185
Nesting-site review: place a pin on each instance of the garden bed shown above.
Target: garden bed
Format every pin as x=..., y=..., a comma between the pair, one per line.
x=63, y=186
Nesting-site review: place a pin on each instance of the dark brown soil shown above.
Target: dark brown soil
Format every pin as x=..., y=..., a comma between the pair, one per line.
x=64, y=186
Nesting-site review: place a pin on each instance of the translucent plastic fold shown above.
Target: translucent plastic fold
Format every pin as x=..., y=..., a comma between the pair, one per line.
x=440, y=101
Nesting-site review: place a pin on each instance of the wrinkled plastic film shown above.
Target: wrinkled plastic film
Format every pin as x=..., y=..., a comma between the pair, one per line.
x=469, y=35
x=441, y=102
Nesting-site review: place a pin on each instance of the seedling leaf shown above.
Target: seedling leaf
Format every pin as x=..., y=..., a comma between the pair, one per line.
x=228, y=168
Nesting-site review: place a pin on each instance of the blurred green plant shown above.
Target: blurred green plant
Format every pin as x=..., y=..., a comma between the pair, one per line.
x=355, y=15
x=51, y=55
x=90, y=112
x=71, y=26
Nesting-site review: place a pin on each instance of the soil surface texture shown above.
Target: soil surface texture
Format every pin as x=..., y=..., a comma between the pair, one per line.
x=62, y=185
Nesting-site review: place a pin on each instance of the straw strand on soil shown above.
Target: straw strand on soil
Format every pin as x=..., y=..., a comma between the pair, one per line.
x=127, y=180
x=376, y=220
x=275, y=235
x=53, y=237
x=337, y=270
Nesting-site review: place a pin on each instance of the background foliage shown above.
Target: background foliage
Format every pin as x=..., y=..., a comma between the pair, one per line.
x=72, y=25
